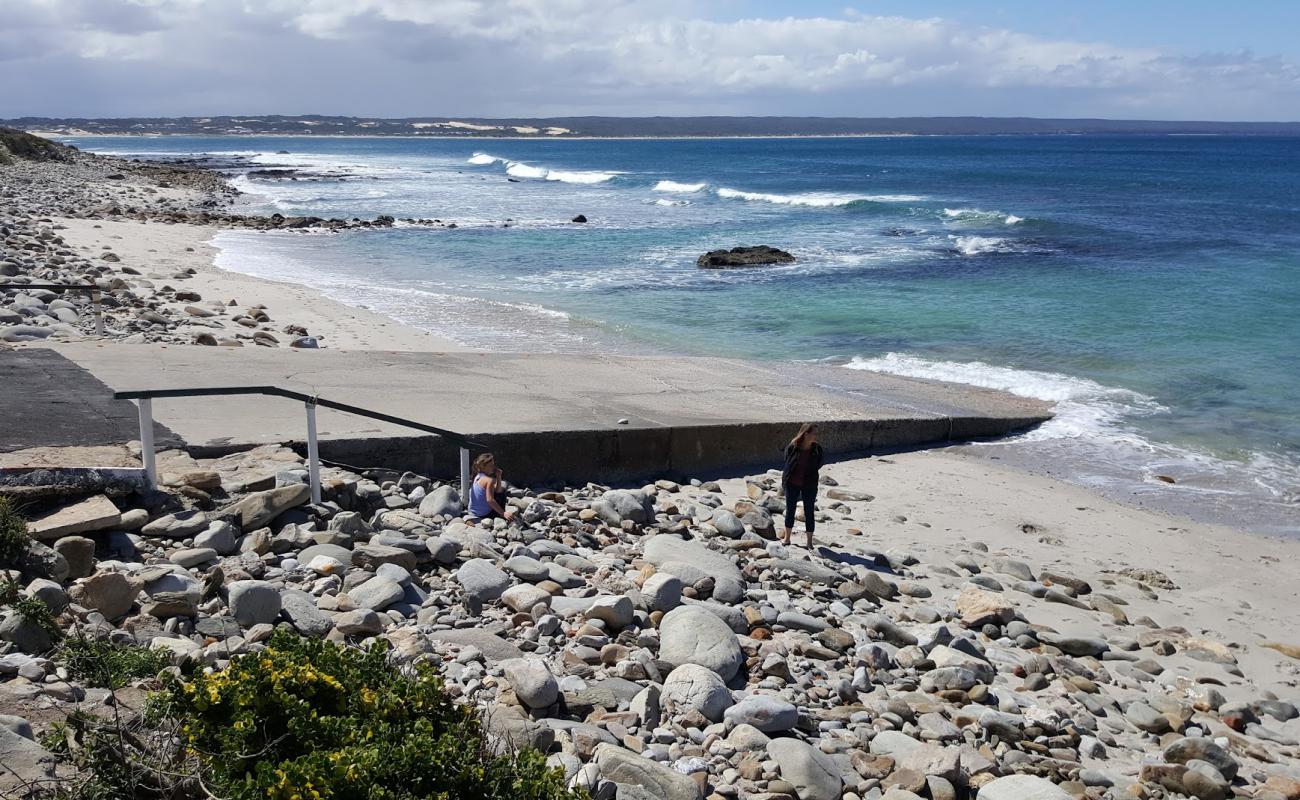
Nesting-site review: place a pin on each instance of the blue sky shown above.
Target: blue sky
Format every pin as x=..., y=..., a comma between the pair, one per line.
x=515, y=58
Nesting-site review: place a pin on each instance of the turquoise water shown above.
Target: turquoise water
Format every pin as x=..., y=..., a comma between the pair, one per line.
x=1151, y=285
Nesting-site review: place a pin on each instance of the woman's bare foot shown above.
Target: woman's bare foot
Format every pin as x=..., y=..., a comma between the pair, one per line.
x=810, y=541
x=785, y=537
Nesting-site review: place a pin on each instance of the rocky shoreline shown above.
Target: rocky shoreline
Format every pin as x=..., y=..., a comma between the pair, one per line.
x=43, y=185
x=657, y=642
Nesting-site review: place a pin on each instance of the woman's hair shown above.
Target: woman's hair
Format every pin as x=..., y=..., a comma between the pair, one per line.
x=480, y=463
x=804, y=430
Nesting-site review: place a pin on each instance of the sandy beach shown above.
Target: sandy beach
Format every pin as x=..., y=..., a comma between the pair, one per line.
x=160, y=251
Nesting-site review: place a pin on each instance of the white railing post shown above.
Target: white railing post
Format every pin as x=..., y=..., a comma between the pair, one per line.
x=99, y=312
x=313, y=454
x=464, y=477
x=146, y=441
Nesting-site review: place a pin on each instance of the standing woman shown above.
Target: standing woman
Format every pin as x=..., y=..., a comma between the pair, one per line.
x=803, y=458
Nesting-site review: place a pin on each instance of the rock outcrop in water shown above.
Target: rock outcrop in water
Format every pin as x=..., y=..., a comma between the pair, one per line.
x=757, y=256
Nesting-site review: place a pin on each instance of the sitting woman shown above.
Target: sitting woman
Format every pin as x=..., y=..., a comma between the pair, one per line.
x=487, y=495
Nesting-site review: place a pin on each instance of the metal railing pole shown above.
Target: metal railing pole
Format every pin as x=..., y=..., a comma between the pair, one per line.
x=146, y=442
x=313, y=454
x=99, y=312
x=464, y=477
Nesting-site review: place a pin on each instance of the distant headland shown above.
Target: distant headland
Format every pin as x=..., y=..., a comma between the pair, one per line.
x=633, y=127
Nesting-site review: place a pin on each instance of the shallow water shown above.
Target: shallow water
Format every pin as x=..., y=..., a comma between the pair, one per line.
x=1149, y=285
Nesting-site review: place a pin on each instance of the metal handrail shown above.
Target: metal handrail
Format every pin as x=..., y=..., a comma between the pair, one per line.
x=81, y=287
x=310, y=401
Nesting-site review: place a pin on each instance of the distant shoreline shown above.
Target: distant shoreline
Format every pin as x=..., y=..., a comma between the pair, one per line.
x=720, y=137
x=635, y=127
x=441, y=137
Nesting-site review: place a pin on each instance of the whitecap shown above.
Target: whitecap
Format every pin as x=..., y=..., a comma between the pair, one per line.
x=674, y=186
x=518, y=169
x=1083, y=407
x=982, y=245
x=566, y=176
x=816, y=199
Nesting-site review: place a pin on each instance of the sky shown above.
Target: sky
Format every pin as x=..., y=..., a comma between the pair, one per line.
x=1138, y=59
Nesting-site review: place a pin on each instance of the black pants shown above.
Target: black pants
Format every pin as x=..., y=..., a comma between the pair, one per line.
x=793, y=494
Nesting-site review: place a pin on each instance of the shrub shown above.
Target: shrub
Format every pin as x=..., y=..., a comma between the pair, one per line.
x=13, y=534
x=109, y=666
x=312, y=720
x=29, y=608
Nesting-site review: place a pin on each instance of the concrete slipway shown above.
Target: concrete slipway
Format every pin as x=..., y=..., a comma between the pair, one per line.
x=550, y=417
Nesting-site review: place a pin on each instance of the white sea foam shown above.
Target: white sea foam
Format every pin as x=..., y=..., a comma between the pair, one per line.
x=982, y=245
x=569, y=176
x=1083, y=407
x=663, y=202
x=674, y=186
x=1092, y=426
x=816, y=199
x=518, y=169
x=978, y=215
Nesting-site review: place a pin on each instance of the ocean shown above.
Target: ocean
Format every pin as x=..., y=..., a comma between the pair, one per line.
x=1150, y=285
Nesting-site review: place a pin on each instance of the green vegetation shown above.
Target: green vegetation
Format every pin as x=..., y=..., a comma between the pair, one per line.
x=13, y=534
x=29, y=608
x=311, y=719
x=21, y=144
x=110, y=666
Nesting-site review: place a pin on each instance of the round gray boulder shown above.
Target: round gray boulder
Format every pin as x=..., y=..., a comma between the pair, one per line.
x=691, y=687
x=692, y=635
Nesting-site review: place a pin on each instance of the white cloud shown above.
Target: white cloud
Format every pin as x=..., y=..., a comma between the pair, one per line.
x=524, y=57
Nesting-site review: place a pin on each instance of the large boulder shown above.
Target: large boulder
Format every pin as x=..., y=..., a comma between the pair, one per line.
x=372, y=556
x=481, y=580
x=692, y=561
x=378, y=593
x=691, y=687
x=253, y=602
x=811, y=772
x=93, y=514
x=26, y=763
x=763, y=711
x=443, y=501
x=532, y=681
x=662, y=592
x=493, y=647
x=181, y=525
x=755, y=256
x=259, y=508
x=727, y=524
x=978, y=607
x=303, y=613
x=39, y=560
x=28, y=635
x=1022, y=787
x=626, y=767
x=109, y=593
x=615, y=506
x=1202, y=749
x=693, y=635
x=79, y=552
